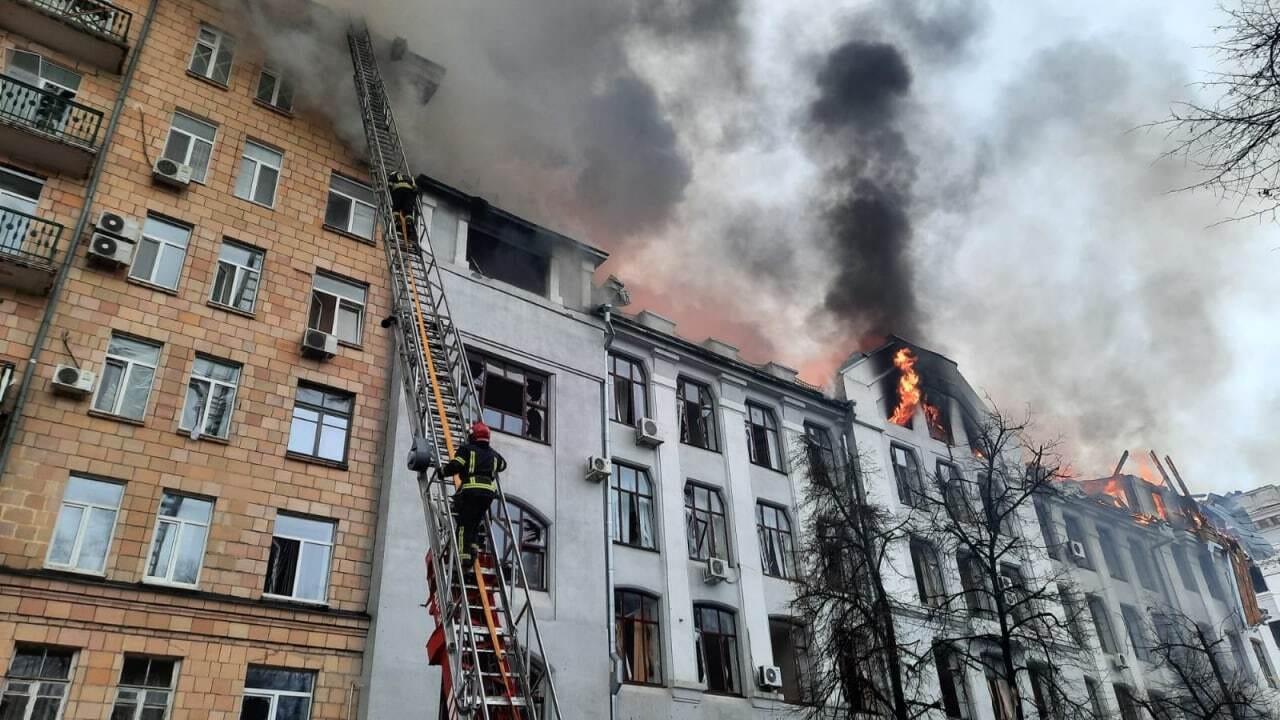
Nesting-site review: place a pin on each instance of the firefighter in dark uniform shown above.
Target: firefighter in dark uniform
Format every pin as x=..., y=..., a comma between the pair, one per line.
x=479, y=466
x=404, y=197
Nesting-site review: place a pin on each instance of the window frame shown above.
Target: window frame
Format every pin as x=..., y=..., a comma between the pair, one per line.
x=1103, y=627
x=823, y=465
x=540, y=550
x=163, y=245
x=730, y=648
x=211, y=383
x=351, y=214
x=144, y=691
x=302, y=543
x=281, y=79
x=222, y=40
x=273, y=696
x=926, y=565
x=800, y=639
x=692, y=511
x=125, y=375
x=772, y=438
x=339, y=302
x=706, y=399
x=37, y=682
x=1136, y=630
x=979, y=596
x=201, y=173
x=1111, y=555
x=634, y=503
x=475, y=357
x=945, y=658
x=779, y=540
x=648, y=601
x=908, y=491
x=182, y=525
x=236, y=270
x=256, y=173
x=322, y=412
x=1264, y=663
x=638, y=389
x=86, y=507
x=1142, y=566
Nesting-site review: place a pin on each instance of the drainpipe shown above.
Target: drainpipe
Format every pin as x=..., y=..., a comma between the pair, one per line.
x=606, y=312
x=50, y=308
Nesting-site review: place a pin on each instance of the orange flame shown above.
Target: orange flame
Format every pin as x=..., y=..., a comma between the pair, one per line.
x=1116, y=492
x=908, y=387
x=1160, y=509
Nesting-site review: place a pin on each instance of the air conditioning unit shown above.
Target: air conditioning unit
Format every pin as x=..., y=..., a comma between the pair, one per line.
x=769, y=676
x=717, y=571
x=1077, y=550
x=598, y=468
x=319, y=345
x=1006, y=582
x=173, y=174
x=72, y=381
x=110, y=250
x=117, y=224
x=647, y=433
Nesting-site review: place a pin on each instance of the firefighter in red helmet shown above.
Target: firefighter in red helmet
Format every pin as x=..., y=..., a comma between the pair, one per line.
x=479, y=465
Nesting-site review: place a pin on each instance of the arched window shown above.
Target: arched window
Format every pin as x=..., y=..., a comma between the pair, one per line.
x=632, y=507
x=532, y=543
x=629, y=400
x=717, y=646
x=762, y=437
x=777, y=550
x=696, y=409
x=639, y=633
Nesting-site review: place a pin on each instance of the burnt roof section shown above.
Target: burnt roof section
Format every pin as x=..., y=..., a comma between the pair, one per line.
x=938, y=373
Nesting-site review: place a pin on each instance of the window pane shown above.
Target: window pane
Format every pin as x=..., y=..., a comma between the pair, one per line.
x=265, y=678
x=266, y=87
x=200, y=152
x=46, y=708
x=97, y=536
x=176, y=147
x=313, y=578
x=197, y=397
x=169, y=232
x=64, y=535
x=262, y=154
x=134, y=404
x=292, y=708
x=168, y=267
x=218, y=422
x=340, y=288
x=195, y=127
x=244, y=181
x=144, y=262
x=254, y=707
x=305, y=528
x=337, y=211
x=333, y=439
x=190, y=554
x=348, y=325
x=162, y=551
x=200, y=58
x=362, y=221
x=265, y=192
x=302, y=433
x=97, y=492
x=126, y=347
x=324, y=308
x=282, y=566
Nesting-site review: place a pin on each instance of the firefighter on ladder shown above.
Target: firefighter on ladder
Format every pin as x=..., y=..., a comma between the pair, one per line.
x=479, y=466
x=404, y=202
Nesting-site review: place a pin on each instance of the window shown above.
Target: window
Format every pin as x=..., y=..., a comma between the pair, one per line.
x=146, y=689
x=505, y=262
x=977, y=588
x=632, y=507
x=49, y=111
x=512, y=399
x=1111, y=553
x=906, y=472
x=954, y=493
x=1004, y=698
x=704, y=521
x=211, y=397
x=190, y=143
x=177, y=551
x=1076, y=541
x=1094, y=692
x=1142, y=564
x=697, y=415
x=639, y=636
x=717, y=646
x=1211, y=578
x=951, y=682
x=161, y=252
x=791, y=642
x=532, y=544
x=1043, y=692
x=259, y=174
x=321, y=423
x=298, y=567
x=127, y=375
x=36, y=686
x=1013, y=588
x=337, y=307
x=86, y=522
x=1264, y=664
x=212, y=54
x=1102, y=624
x=1136, y=626
x=275, y=89
x=1185, y=571
x=352, y=207
x=1073, y=613
x=924, y=561
x=235, y=285
x=822, y=454
x=1126, y=702
x=629, y=400
x=1047, y=530
x=762, y=437
x=777, y=548
x=276, y=694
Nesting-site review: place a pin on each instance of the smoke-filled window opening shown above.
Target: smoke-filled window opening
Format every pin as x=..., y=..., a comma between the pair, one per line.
x=906, y=474
x=1077, y=548
x=762, y=437
x=821, y=454
x=696, y=409
x=953, y=688
x=499, y=260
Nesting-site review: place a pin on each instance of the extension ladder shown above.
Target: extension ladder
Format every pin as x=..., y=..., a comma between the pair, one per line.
x=486, y=637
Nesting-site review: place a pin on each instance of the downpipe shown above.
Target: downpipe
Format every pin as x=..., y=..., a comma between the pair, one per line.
x=606, y=312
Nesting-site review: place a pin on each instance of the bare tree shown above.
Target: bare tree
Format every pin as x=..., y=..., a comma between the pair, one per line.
x=1234, y=135
x=1008, y=619
x=1204, y=681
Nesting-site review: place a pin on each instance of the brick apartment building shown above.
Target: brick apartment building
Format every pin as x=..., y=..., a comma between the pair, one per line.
x=193, y=530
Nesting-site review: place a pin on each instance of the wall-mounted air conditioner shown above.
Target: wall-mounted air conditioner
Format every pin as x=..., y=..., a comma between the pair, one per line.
x=769, y=676
x=110, y=251
x=171, y=173
x=319, y=345
x=1077, y=550
x=717, y=571
x=72, y=381
x=598, y=468
x=647, y=433
x=116, y=224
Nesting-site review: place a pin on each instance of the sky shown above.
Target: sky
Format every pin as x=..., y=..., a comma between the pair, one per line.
x=802, y=178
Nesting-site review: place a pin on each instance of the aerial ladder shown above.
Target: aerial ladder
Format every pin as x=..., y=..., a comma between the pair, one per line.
x=486, y=637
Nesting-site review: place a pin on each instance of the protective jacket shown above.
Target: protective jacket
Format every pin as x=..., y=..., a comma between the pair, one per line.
x=397, y=180
x=479, y=466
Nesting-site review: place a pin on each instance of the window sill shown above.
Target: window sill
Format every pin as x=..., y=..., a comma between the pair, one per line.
x=313, y=460
x=286, y=600
x=272, y=108
x=150, y=285
x=723, y=694
x=69, y=570
x=209, y=80
x=654, y=550
x=156, y=582
x=140, y=422
x=687, y=444
x=522, y=437
x=349, y=235
x=634, y=684
x=351, y=345
x=251, y=201
x=780, y=471
x=203, y=438
x=233, y=310
x=781, y=578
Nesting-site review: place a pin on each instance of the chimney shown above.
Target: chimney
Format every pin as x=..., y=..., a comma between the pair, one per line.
x=654, y=321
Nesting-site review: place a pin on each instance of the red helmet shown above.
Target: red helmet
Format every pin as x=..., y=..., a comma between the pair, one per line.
x=479, y=432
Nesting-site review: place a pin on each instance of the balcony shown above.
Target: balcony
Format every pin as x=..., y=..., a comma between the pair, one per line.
x=28, y=247
x=94, y=31
x=46, y=129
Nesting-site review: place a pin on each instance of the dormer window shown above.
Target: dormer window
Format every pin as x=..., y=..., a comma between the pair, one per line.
x=500, y=260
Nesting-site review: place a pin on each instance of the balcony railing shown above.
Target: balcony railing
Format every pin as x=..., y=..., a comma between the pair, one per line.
x=95, y=16
x=28, y=238
x=48, y=112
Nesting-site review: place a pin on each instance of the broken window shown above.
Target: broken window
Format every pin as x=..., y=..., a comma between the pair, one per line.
x=697, y=415
x=777, y=551
x=977, y=590
x=301, y=550
x=629, y=400
x=1004, y=697
x=717, y=647
x=954, y=492
x=791, y=642
x=951, y=682
x=924, y=561
x=705, y=522
x=502, y=261
x=337, y=307
x=531, y=545
x=822, y=455
x=639, y=633
x=906, y=471
x=762, y=437
x=146, y=689
x=513, y=400
x=632, y=507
